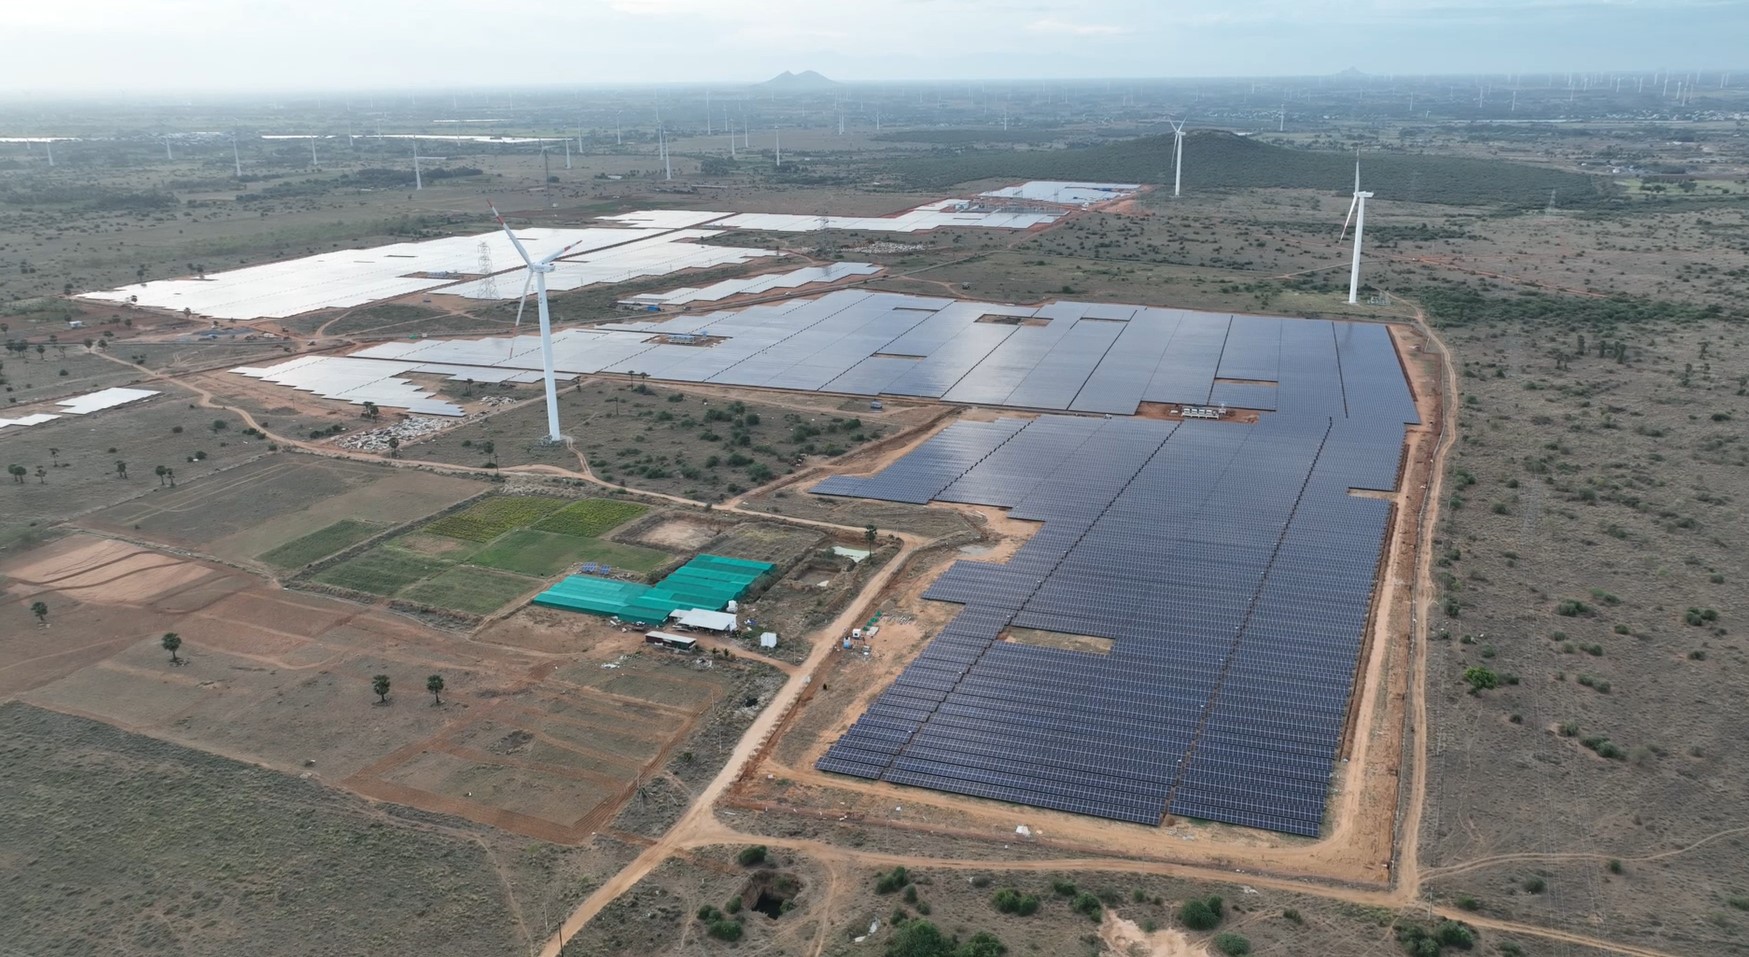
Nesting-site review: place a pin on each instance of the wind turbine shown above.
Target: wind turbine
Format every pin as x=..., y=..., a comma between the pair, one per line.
x=418, y=180
x=1356, y=213
x=537, y=274
x=236, y=157
x=1177, y=155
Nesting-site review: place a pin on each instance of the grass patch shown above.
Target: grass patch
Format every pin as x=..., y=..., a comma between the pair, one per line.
x=591, y=517
x=477, y=590
x=532, y=552
x=383, y=570
x=319, y=544
x=486, y=520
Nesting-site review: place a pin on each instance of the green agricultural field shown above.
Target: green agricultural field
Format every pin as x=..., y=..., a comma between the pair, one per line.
x=590, y=518
x=320, y=544
x=491, y=518
x=630, y=557
x=466, y=588
x=534, y=553
x=384, y=570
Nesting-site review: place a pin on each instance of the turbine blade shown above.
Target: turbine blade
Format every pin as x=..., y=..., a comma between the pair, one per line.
x=563, y=251
x=521, y=303
x=1350, y=217
x=513, y=240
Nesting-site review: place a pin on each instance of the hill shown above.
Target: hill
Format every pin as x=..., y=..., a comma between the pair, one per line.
x=806, y=81
x=1220, y=160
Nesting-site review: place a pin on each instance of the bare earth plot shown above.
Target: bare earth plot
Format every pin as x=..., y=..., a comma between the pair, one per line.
x=248, y=512
x=282, y=679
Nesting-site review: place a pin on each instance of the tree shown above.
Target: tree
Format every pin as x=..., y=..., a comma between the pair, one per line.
x=121, y=468
x=54, y=457
x=394, y=447
x=868, y=534
x=40, y=473
x=371, y=411
x=171, y=642
x=220, y=425
x=172, y=474
x=434, y=684
x=17, y=472
x=380, y=685
x=40, y=610
x=160, y=471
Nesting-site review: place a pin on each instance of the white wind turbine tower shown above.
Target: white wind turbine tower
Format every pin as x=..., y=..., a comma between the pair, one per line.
x=1356, y=213
x=418, y=180
x=236, y=157
x=1177, y=155
x=537, y=274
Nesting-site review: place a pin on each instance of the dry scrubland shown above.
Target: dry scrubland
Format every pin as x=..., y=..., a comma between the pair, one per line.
x=126, y=844
x=1591, y=562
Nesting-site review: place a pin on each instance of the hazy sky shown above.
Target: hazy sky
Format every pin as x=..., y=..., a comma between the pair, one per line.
x=76, y=46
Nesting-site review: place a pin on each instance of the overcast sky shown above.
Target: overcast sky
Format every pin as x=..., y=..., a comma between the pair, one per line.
x=77, y=46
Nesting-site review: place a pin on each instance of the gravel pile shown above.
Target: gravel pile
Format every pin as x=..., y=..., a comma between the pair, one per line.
x=407, y=430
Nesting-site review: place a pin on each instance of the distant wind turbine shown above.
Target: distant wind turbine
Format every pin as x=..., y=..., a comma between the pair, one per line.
x=236, y=157
x=1356, y=213
x=1177, y=155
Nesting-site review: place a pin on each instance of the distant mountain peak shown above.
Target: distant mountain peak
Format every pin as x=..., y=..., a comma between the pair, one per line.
x=805, y=80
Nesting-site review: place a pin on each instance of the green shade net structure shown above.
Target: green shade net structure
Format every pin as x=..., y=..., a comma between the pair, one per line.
x=709, y=582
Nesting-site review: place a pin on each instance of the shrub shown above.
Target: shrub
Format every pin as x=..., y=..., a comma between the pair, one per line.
x=1572, y=608
x=1063, y=888
x=911, y=894
x=1534, y=885
x=1010, y=901
x=1700, y=616
x=727, y=930
x=891, y=881
x=1087, y=904
x=1481, y=679
x=1293, y=914
x=1616, y=868
x=751, y=856
x=1450, y=933
x=1233, y=945
x=1198, y=914
x=1469, y=903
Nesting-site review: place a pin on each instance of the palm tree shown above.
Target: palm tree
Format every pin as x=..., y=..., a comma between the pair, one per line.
x=121, y=468
x=40, y=610
x=54, y=457
x=171, y=642
x=434, y=684
x=380, y=685
x=172, y=473
x=40, y=473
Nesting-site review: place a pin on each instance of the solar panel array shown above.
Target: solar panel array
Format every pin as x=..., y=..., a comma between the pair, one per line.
x=1227, y=565
x=1062, y=356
